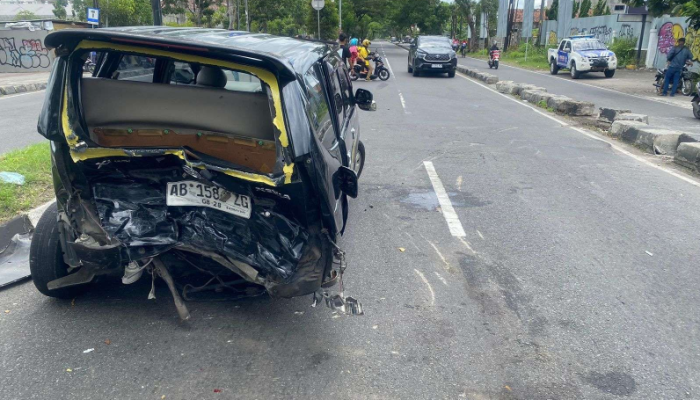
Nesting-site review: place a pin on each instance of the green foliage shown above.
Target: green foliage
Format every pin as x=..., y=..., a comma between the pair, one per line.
x=34, y=162
x=59, y=9
x=575, y=9
x=658, y=8
x=125, y=12
x=625, y=50
x=691, y=10
x=553, y=11
x=329, y=21
x=600, y=7
x=79, y=10
x=585, y=8
x=26, y=15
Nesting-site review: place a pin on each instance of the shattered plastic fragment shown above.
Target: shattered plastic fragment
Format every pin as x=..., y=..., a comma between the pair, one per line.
x=88, y=351
x=401, y=249
x=12, y=177
x=650, y=253
x=69, y=370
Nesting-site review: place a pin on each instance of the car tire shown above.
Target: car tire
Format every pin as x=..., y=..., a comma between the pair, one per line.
x=574, y=72
x=609, y=73
x=410, y=68
x=46, y=257
x=451, y=74
x=360, y=158
x=553, y=67
x=416, y=72
x=696, y=110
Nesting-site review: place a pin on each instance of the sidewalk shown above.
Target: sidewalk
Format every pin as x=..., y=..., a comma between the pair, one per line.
x=11, y=83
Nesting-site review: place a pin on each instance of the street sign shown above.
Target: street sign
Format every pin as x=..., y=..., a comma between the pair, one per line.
x=318, y=4
x=93, y=16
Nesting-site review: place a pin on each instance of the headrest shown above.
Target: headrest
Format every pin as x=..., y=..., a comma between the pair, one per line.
x=211, y=76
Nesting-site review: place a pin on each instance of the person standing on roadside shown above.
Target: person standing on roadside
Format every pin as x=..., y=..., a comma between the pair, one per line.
x=344, y=49
x=677, y=58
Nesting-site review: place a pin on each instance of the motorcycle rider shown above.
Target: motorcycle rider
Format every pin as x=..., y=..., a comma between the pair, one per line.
x=353, y=52
x=464, y=48
x=677, y=58
x=363, y=57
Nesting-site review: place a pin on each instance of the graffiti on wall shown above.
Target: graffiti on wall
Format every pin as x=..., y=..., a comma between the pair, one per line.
x=30, y=54
x=669, y=33
x=603, y=33
x=626, y=31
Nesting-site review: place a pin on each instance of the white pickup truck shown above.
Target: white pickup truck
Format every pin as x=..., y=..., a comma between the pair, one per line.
x=581, y=54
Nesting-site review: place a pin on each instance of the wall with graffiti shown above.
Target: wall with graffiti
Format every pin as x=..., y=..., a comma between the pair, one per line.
x=24, y=51
x=605, y=28
x=669, y=30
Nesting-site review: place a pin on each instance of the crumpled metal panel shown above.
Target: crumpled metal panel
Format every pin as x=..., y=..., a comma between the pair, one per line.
x=135, y=212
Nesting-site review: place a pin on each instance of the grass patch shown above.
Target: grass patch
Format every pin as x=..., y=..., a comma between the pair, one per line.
x=34, y=162
x=536, y=56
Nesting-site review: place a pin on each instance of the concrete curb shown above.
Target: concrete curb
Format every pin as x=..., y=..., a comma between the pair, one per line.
x=23, y=88
x=688, y=155
x=649, y=139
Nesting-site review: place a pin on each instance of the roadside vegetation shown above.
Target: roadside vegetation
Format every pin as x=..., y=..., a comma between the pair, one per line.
x=34, y=163
x=625, y=51
x=536, y=56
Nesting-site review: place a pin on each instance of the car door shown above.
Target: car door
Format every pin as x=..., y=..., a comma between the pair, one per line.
x=563, y=54
x=350, y=126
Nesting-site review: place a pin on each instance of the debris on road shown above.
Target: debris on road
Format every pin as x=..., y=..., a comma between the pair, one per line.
x=401, y=249
x=108, y=342
x=12, y=177
x=650, y=253
x=88, y=351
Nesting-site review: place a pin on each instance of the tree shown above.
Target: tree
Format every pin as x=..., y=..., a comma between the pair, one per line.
x=197, y=10
x=467, y=9
x=691, y=10
x=599, y=8
x=575, y=9
x=658, y=8
x=80, y=10
x=585, y=8
x=125, y=12
x=329, y=21
x=553, y=11
x=59, y=9
x=25, y=15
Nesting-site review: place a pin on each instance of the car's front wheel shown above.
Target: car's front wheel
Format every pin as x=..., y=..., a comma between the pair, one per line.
x=451, y=74
x=416, y=72
x=46, y=257
x=609, y=73
x=410, y=68
x=574, y=72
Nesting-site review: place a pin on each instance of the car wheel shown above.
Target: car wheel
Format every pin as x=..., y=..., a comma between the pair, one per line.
x=360, y=158
x=416, y=72
x=410, y=68
x=696, y=110
x=574, y=72
x=609, y=73
x=553, y=67
x=451, y=74
x=46, y=257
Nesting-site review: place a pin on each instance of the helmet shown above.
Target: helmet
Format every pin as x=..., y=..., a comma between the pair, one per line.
x=354, y=42
x=366, y=42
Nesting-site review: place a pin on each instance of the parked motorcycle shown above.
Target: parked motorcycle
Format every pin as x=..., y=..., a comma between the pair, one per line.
x=494, y=56
x=89, y=66
x=380, y=70
x=696, y=101
x=685, y=85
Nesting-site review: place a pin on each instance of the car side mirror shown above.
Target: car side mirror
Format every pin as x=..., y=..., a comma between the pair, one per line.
x=345, y=179
x=365, y=100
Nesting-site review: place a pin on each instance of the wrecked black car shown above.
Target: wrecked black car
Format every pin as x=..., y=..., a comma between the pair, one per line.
x=215, y=160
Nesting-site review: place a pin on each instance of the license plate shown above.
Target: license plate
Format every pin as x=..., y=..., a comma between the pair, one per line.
x=196, y=194
x=437, y=66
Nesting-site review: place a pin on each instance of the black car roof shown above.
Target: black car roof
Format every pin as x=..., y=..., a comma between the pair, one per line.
x=281, y=51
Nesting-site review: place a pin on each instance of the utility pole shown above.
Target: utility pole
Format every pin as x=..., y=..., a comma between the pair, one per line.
x=340, y=16
x=541, y=30
x=157, y=13
x=247, y=21
x=238, y=15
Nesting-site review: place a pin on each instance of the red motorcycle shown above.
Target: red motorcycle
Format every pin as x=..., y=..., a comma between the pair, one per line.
x=494, y=56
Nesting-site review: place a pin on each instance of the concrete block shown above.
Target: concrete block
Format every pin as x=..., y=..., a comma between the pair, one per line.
x=535, y=96
x=555, y=101
x=20, y=88
x=688, y=155
x=626, y=130
x=41, y=86
x=660, y=141
x=505, y=86
x=490, y=79
x=609, y=114
x=31, y=87
x=632, y=117
x=575, y=107
x=519, y=87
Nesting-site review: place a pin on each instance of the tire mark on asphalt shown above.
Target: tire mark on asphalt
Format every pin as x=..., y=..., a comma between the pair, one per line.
x=430, y=287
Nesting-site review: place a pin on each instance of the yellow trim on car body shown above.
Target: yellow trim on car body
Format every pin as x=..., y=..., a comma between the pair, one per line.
x=262, y=74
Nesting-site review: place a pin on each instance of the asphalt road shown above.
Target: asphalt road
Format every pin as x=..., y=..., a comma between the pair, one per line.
x=576, y=278
x=18, y=117
x=660, y=114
